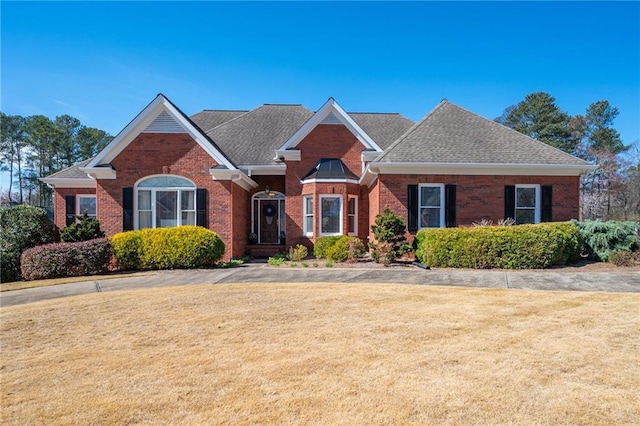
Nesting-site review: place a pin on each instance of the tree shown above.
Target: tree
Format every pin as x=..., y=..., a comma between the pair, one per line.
x=599, y=131
x=539, y=117
x=90, y=141
x=12, y=143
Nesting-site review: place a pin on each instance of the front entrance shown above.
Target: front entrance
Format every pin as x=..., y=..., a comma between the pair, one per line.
x=268, y=217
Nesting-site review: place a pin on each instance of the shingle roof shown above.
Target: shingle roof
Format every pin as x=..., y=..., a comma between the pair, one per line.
x=451, y=134
x=208, y=119
x=330, y=168
x=72, y=172
x=384, y=129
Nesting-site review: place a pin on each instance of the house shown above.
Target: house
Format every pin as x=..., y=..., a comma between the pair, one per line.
x=281, y=175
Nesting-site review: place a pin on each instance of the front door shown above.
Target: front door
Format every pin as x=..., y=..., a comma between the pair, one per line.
x=269, y=214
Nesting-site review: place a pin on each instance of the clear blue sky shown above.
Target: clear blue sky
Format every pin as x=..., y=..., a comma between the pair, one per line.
x=103, y=62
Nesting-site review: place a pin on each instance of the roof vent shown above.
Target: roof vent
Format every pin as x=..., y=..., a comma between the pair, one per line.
x=164, y=123
x=331, y=119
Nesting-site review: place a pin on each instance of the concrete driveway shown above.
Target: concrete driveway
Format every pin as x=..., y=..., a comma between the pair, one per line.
x=618, y=281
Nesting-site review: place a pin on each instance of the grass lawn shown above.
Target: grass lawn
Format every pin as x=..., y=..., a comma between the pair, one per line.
x=322, y=354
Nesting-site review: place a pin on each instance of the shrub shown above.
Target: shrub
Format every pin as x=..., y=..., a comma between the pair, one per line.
x=21, y=227
x=87, y=229
x=323, y=244
x=276, y=261
x=346, y=248
x=66, y=259
x=297, y=253
x=508, y=247
x=624, y=258
x=181, y=247
x=389, y=228
x=601, y=238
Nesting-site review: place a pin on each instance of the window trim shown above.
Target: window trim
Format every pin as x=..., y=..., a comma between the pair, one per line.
x=538, y=200
x=355, y=215
x=340, y=210
x=306, y=214
x=78, y=197
x=153, y=190
x=420, y=206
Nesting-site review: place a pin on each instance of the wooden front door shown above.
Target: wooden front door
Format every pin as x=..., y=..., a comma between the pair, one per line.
x=269, y=214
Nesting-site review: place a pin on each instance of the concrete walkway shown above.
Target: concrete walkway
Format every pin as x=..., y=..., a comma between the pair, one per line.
x=259, y=272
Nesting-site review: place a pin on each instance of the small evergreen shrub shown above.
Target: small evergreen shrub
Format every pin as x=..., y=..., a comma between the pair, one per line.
x=389, y=228
x=345, y=249
x=323, y=244
x=86, y=229
x=21, y=227
x=297, y=253
x=66, y=259
x=182, y=247
x=507, y=247
x=600, y=239
x=624, y=258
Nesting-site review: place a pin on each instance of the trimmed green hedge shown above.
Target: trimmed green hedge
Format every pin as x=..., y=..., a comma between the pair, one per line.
x=505, y=247
x=323, y=244
x=66, y=259
x=345, y=248
x=181, y=247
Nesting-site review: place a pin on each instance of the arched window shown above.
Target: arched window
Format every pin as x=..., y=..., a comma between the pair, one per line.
x=164, y=201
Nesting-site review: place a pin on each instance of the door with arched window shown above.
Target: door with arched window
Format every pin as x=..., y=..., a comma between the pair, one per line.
x=268, y=217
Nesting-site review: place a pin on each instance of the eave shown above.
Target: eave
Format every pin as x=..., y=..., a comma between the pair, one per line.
x=69, y=182
x=234, y=175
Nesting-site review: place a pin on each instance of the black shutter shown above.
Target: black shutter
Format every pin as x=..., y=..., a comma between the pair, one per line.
x=412, y=208
x=201, y=207
x=127, y=209
x=510, y=202
x=450, y=206
x=545, y=213
x=70, y=209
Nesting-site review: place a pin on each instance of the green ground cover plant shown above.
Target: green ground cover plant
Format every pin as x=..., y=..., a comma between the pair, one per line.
x=600, y=239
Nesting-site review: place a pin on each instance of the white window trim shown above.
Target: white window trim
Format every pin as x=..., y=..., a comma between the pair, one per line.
x=78, y=197
x=341, y=210
x=538, y=197
x=136, y=211
x=306, y=214
x=420, y=206
x=355, y=215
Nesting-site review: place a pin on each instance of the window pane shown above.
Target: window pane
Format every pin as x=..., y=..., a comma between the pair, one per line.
x=87, y=204
x=166, y=209
x=430, y=218
x=525, y=216
x=188, y=218
x=352, y=224
x=525, y=197
x=352, y=206
x=165, y=182
x=308, y=205
x=308, y=224
x=187, y=200
x=144, y=200
x=331, y=215
x=144, y=220
x=430, y=196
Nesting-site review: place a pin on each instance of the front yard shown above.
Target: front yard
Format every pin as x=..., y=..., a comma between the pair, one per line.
x=322, y=354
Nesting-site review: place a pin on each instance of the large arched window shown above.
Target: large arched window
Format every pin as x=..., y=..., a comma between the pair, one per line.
x=165, y=201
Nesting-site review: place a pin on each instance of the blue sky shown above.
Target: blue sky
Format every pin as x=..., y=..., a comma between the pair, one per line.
x=103, y=62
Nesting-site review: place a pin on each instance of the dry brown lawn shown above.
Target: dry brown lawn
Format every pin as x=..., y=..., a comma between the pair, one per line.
x=323, y=354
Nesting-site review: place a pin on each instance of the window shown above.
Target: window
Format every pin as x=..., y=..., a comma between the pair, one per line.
x=330, y=215
x=165, y=201
x=308, y=215
x=527, y=204
x=352, y=215
x=86, y=203
x=431, y=209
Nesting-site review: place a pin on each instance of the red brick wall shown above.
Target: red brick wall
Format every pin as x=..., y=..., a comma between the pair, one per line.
x=480, y=197
x=59, y=204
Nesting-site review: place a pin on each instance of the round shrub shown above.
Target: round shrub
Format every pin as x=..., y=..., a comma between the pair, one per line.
x=86, y=229
x=346, y=248
x=181, y=247
x=21, y=227
x=322, y=244
x=66, y=259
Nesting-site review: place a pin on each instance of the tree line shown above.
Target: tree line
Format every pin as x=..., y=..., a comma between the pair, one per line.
x=612, y=191
x=37, y=146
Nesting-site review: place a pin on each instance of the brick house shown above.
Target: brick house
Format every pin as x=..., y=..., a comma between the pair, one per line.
x=280, y=175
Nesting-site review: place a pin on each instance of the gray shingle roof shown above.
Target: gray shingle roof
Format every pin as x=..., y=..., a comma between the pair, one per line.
x=72, y=172
x=384, y=129
x=208, y=119
x=451, y=134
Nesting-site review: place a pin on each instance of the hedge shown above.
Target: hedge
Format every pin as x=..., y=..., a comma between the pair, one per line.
x=66, y=259
x=600, y=239
x=345, y=248
x=21, y=227
x=181, y=247
x=323, y=244
x=505, y=247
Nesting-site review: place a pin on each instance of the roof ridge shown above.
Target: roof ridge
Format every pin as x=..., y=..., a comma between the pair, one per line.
x=378, y=113
x=222, y=110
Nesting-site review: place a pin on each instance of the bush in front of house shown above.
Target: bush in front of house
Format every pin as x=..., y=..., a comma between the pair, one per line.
x=346, y=248
x=600, y=239
x=182, y=247
x=87, y=228
x=506, y=247
x=389, y=235
x=66, y=259
x=624, y=258
x=298, y=253
x=21, y=227
x=323, y=244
